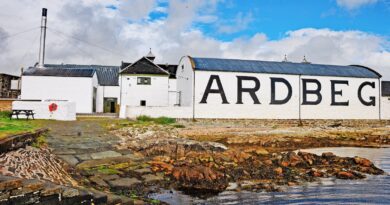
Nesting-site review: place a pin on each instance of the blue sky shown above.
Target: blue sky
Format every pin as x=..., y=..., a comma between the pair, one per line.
x=276, y=17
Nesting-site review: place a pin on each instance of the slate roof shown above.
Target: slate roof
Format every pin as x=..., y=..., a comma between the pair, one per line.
x=253, y=66
x=60, y=72
x=386, y=88
x=143, y=66
x=107, y=75
x=167, y=67
x=170, y=68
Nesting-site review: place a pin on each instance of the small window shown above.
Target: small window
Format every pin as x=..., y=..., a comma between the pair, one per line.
x=143, y=81
x=143, y=103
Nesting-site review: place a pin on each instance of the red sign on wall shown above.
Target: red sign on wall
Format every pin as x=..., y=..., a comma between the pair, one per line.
x=53, y=107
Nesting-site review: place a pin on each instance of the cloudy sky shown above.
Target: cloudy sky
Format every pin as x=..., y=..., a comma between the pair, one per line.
x=110, y=31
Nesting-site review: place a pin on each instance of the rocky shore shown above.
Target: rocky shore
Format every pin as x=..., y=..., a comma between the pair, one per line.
x=125, y=161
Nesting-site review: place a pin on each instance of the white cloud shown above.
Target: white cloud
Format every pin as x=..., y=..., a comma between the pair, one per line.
x=170, y=38
x=239, y=23
x=354, y=4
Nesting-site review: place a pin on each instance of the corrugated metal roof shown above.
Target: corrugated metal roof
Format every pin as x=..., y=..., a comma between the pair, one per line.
x=386, y=88
x=252, y=66
x=62, y=72
x=107, y=75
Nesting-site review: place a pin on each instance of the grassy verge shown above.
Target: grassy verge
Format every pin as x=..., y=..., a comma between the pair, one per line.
x=11, y=127
x=159, y=120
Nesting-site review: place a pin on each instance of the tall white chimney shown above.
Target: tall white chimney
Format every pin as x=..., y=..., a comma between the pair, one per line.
x=41, y=61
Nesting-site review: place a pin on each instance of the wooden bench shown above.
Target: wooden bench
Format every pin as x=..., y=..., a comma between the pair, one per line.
x=27, y=113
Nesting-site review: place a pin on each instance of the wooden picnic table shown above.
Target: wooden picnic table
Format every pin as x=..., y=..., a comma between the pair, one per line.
x=25, y=112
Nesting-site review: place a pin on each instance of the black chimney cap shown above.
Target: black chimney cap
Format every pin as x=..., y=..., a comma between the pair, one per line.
x=44, y=11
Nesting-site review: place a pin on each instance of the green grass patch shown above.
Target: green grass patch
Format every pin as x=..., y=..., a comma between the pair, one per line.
x=106, y=170
x=12, y=126
x=40, y=142
x=159, y=120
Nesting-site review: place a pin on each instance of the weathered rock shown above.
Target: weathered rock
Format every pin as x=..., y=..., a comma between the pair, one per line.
x=143, y=171
x=363, y=162
x=200, y=177
x=28, y=186
x=70, y=159
x=124, y=183
x=51, y=189
x=104, y=162
x=69, y=192
x=161, y=166
x=106, y=154
x=9, y=183
x=83, y=157
x=98, y=181
x=278, y=170
x=345, y=175
x=152, y=178
x=328, y=154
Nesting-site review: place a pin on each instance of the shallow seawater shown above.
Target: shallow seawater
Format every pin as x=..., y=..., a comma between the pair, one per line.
x=372, y=190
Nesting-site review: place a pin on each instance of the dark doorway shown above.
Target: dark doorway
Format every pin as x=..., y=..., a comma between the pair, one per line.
x=110, y=105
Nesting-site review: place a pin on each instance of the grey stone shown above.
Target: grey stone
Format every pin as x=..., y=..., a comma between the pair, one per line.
x=98, y=181
x=69, y=192
x=83, y=157
x=152, y=178
x=124, y=182
x=64, y=151
x=143, y=171
x=70, y=159
x=104, y=155
x=134, y=157
x=109, y=177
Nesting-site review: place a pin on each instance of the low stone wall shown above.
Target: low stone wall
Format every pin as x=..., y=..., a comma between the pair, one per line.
x=30, y=191
x=6, y=104
x=19, y=141
x=292, y=123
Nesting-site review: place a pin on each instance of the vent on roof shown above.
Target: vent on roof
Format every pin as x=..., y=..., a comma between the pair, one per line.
x=150, y=55
x=305, y=61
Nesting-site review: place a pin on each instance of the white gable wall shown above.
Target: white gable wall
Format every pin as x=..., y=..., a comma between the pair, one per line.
x=155, y=94
x=185, y=81
x=74, y=89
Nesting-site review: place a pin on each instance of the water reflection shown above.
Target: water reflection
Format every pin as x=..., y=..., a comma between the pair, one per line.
x=372, y=190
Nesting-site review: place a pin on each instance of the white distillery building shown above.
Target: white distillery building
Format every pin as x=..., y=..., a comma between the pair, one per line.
x=146, y=84
x=94, y=88
x=248, y=89
x=103, y=89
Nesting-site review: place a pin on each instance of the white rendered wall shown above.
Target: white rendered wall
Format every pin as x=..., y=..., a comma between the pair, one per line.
x=248, y=110
x=73, y=89
x=385, y=108
x=185, y=77
x=155, y=94
x=215, y=109
x=173, y=112
x=173, y=94
x=355, y=110
x=65, y=110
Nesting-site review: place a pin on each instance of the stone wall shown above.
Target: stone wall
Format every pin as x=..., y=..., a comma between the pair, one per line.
x=6, y=104
x=292, y=123
x=19, y=141
x=30, y=191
